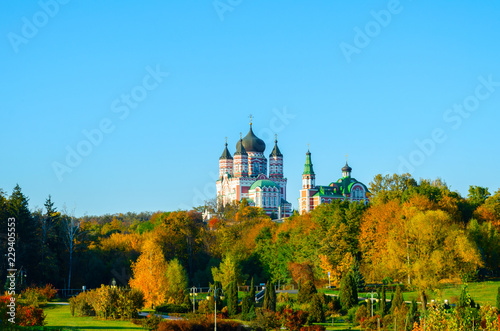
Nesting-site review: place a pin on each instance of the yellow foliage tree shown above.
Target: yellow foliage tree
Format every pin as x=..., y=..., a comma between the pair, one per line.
x=150, y=274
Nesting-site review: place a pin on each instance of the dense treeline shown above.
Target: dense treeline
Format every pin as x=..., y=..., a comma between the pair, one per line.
x=419, y=233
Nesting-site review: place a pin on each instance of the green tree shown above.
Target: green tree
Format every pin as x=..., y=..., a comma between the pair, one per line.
x=412, y=315
x=398, y=300
x=348, y=291
x=231, y=294
x=269, y=297
x=306, y=292
x=177, y=279
x=477, y=195
x=382, y=302
x=316, y=310
x=227, y=271
x=27, y=240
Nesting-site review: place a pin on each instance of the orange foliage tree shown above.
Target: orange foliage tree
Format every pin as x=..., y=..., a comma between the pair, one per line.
x=150, y=273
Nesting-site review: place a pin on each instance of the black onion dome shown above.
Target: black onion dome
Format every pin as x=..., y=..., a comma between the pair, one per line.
x=346, y=168
x=240, y=150
x=225, y=154
x=252, y=143
x=276, y=151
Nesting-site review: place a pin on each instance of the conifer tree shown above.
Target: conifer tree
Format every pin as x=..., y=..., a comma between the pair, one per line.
x=382, y=301
x=267, y=297
x=316, y=311
x=306, y=292
x=398, y=300
x=348, y=291
x=273, y=297
x=412, y=315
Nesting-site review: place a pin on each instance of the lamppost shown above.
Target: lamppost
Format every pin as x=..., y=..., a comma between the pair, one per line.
x=371, y=300
x=193, y=294
x=215, y=290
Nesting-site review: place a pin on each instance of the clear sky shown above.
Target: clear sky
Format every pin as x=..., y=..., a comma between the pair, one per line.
x=116, y=106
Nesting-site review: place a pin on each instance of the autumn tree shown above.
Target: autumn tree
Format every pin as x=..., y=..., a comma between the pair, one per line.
x=397, y=300
x=149, y=274
x=177, y=280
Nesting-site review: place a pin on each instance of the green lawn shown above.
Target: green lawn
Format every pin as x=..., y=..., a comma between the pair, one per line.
x=59, y=316
x=482, y=293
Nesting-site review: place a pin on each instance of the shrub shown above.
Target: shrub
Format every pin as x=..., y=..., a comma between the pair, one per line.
x=80, y=305
x=313, y=328
x=351, y=314
x=29, y=316
x=25, y=315
x=172, y=308
x=293, y=320
x=361, y=315
x=108, y=302
x=48, y=291
x=203, y=325
x=37, y=296
x=151, y=322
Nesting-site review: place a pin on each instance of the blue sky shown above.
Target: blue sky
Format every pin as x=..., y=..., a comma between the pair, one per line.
x=146, y=91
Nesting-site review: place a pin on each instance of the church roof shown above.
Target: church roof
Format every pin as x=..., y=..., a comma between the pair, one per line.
x=308, y=167
x=225, y=154
x=276, y=151
x=252, y=143
x=263, y=183
x=240, y=150
x=346, y=167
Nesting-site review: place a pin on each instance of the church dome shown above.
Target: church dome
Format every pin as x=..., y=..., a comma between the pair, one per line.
x=346, y=168
x=252, y=143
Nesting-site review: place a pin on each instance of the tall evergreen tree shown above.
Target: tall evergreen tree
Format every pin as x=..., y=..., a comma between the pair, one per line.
x=398, y=300
x=229, y=293
x=348, y=291
x=252, y=291
x=316, y=311
x=382, y=301
x=273, y=297
x=306, y=292
x=412, y=315
x=269, y=297
x=27, y=241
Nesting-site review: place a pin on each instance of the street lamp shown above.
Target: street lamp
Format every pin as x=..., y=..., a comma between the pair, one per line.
x=215, y=290
x=193, y=294
x=371, y=301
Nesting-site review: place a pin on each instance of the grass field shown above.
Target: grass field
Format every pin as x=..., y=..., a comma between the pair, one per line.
x=482, y=292
x=59, y=316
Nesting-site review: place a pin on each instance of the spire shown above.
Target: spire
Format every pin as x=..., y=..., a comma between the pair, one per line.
x=225, y=154
x=276, y=151
x=308, y=168
x=240, y=150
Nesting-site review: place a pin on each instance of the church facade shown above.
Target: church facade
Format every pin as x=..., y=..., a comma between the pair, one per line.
x=246, y=176
x=345, y=188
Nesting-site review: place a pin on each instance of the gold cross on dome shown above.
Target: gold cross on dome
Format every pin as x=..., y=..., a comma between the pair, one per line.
x=346, y=158
x=226, y=140
x=250, y=116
